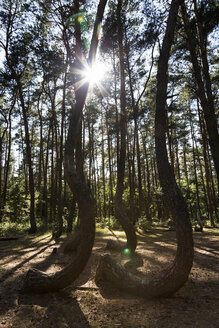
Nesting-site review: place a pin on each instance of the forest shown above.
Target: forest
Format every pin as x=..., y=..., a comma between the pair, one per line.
x=109, y=163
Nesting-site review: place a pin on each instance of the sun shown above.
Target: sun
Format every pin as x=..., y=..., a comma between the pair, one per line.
x=95, y=74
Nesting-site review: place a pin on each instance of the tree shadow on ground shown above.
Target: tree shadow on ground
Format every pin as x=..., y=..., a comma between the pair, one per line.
x=20, y=247
x=51, y=310
x=61, y=309
x=11, y=278
x=16, y=267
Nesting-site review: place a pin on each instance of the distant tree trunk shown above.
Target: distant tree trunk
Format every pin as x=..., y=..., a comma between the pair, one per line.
x=110, y=166
x=169, y=281
x=178, y=164
x=60, y=162
x=198, y=207
x=45, y=178
x=41, y=146
x=136, y=135
x=207, y=170
x=115, y=73
x=187, y=177
x=52, y=180
x=89, y=146
x=40, y=282
x=4, y=184
x=7, y=165
x=41, y=198
x=1, y=202
x=208, y=209
x=131, y=173
x=54, y=154
x=148, y=188
x=204, y=90
x=93, y=171
x=103, y=168
x=119, y=210
x=2, y=195
x=33, y=227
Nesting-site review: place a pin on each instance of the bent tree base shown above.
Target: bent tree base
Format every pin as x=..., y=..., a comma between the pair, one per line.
x=39, y=282
x=164, y=284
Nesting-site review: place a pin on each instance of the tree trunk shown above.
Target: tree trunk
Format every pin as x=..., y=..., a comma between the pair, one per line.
x=204, y=92
x=60, y=163
x=198, y=207
x=103, y=168
x=169, y=281
x=108, y=121
x=148, y=188
x=33, y=227
x=71, y=214
x=207, y=169
x=7, y=164
x=38, y=281
x=119, y=210
x=1, y=202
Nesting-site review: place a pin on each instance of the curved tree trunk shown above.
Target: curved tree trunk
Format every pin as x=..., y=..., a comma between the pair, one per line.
x=171, y=279
x=38, y=281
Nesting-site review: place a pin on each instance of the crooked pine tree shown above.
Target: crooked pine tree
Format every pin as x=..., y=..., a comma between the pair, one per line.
x=37, y=281
x=176, y=274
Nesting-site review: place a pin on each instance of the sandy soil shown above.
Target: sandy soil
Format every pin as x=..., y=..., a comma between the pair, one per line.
x=83, y=305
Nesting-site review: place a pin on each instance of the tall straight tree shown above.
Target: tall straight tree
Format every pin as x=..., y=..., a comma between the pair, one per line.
x=119, y=210
x=203, y=84
x=17, y=49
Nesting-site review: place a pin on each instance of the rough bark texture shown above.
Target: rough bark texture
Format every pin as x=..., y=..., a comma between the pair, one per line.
x=38, y=281
x=170, y=280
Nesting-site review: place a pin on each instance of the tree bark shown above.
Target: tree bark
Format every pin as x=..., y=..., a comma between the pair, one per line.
x=33, y=227
x=204, y=91
x=71, y=214
x=60, y=162
x=171, y=279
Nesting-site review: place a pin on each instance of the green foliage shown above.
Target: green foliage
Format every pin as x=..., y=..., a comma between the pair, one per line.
x=109, y=222
x=12, y=228
x=17, y=204
x=143, y=224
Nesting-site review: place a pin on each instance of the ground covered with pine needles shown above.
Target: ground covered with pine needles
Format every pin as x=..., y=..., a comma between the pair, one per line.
x=84, y=305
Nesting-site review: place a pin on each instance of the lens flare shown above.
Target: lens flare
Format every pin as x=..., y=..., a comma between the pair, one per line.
x=80, y=19
x=127, y=251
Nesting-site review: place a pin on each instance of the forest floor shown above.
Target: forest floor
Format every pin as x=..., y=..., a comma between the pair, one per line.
x=196, y=304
